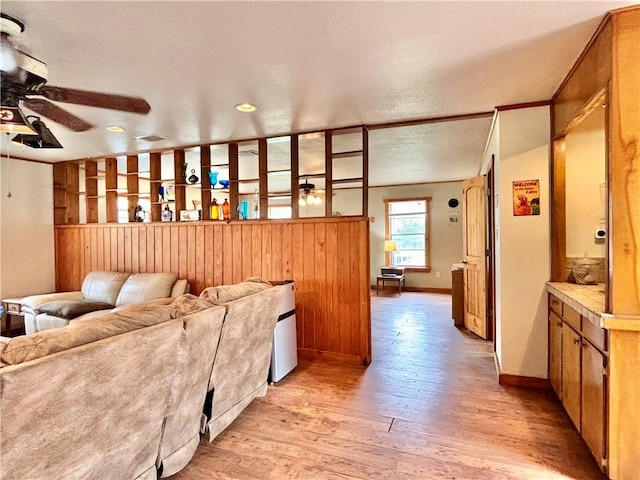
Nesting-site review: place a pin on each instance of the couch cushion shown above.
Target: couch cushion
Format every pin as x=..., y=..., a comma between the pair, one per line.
x=227, y=293
x=187, y=304
x=103, y=286
x=28, y=347
x=141, y=287
x=72, y=308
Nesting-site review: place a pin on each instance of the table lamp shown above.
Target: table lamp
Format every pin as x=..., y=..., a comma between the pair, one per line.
x=390, y=246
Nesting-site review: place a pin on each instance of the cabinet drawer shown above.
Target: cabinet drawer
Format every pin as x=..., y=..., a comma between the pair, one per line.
x=572, y=317
x=555, y=305
x=596, y=335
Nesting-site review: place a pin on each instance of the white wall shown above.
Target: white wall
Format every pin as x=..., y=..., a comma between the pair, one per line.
x=522, y=244
x=26, y=235
x=446, y=238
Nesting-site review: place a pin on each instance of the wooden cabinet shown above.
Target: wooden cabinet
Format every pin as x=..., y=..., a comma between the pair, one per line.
x=593, y=404
x=578, y=373
x=555, y=353
x=571, y=384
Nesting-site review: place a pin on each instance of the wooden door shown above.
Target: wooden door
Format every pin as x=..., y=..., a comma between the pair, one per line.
x=571, y=385
x=593, y=400
x=555, y=353
x=474, y=228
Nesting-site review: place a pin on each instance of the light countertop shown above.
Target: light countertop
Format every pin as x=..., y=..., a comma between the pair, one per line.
x=587, y=300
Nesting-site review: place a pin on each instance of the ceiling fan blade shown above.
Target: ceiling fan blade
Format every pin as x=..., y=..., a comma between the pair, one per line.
x=95, y=99
x=49, y=110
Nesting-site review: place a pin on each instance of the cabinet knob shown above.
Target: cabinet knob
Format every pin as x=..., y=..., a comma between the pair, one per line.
x=576, y=341
x=559, y=324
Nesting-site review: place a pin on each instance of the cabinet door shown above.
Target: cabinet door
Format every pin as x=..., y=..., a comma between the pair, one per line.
x=593, y=400
x=555, y=353
x=571, y=356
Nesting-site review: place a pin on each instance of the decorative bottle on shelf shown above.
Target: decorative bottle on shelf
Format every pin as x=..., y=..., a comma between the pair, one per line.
x=214, y=209
x=167, y=214
x=226, y=210
x=256, y=204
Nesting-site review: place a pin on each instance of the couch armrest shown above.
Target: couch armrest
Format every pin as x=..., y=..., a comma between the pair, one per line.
x=31, y=304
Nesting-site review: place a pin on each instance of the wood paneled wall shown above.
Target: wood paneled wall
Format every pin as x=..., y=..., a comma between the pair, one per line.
x=327, y=257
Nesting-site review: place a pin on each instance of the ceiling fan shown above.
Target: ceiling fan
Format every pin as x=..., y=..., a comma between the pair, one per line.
x=308, y=195
x=24, y=79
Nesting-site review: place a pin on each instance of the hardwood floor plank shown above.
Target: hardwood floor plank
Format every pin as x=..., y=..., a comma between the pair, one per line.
x=428, y=407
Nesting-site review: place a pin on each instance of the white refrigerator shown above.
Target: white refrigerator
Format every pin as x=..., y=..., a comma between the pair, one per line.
x=284, y=355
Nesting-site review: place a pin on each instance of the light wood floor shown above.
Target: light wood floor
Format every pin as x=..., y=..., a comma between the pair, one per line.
x=428, y=407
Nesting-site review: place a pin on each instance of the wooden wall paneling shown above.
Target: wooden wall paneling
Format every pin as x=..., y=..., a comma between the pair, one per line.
x=227, y=255
x=181, y=251
x=353, y=305
x=266, y=251
x=199, y=257
x=208, y=255
x=121, y=248
x=93, y=232
x=327, y=258
x=320, y=280
x=91, y=190
x=157, y=248
x=111, y=185
x=295, y=176
x=263, y=185
x=336, y=329
x=205, y=187
x=179, y=162
x=86, y=233
x=362, y=285
x=142, y=249
x=590, y=74
x=287, y=252
x=256, y=249
x=245, y=249
x=155, y=177
x=236, y=252
x=309, y=286
x=133, y=185
x=218, y=253
x=128, y=249
x=297, y=266
x=328, y=173
x=624, y=167
x=233, y=178
x=276, y=252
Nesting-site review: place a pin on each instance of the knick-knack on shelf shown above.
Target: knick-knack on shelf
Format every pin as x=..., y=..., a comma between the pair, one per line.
x=226, y=210
x=193, y=178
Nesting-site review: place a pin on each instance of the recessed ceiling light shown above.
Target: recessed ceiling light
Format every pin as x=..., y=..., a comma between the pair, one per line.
x=246, y=107
x=115, y=128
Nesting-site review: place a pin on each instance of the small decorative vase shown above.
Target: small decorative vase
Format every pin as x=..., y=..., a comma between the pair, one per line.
x=193, y=178
x=213, y=179
x=224, y=183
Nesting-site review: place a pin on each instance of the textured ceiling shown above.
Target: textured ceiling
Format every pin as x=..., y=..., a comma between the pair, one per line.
x=307, y=66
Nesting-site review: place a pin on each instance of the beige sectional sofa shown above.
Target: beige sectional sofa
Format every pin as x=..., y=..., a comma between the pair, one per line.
x=127, y=394
x=100, y=291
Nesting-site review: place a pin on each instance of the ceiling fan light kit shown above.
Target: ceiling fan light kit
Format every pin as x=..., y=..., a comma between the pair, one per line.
x=12, y=120
x=307, y=196
x=24, y=79
x=43, y=138
x=245, y=107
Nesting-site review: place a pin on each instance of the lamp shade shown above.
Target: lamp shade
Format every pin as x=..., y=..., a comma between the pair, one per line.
x=43, y=139
x=13, y=121
x=390, y=245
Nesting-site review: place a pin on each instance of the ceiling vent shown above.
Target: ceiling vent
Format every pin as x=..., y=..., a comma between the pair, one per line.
x=150, y=138
x=248, y=153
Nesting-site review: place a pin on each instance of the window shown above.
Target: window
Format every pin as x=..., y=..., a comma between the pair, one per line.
x=407, y=223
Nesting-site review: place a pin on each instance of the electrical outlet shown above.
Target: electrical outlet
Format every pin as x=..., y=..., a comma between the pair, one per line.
x=437, y=274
